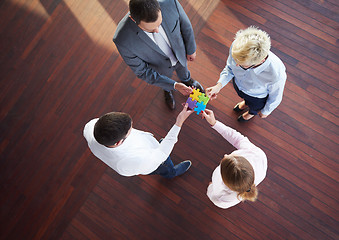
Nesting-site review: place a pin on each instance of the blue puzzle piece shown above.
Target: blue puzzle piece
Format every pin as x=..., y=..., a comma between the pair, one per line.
x=200, y=107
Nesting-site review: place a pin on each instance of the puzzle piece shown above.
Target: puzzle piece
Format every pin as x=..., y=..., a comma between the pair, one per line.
x=195, y=95
x=200, y=107
x=191, y=103
x=203, y=98
x=197, y=101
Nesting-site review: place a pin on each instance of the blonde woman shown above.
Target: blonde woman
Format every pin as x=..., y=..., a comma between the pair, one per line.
x=258, y=75
x=239, y=173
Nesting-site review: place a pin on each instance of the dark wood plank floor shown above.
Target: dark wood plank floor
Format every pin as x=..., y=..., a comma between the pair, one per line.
x=59, y=69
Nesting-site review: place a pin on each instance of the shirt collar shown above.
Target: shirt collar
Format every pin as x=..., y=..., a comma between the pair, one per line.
x=264, y=65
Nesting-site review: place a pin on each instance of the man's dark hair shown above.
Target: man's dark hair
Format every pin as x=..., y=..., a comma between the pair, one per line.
x=144, y=10
x=112, y=127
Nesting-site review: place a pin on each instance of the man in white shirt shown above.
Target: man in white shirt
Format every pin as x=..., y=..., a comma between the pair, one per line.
x=129, y=151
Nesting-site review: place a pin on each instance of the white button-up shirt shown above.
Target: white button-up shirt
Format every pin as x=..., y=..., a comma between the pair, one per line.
x=140, y=153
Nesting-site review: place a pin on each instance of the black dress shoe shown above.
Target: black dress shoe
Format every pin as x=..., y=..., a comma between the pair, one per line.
x=169, y=99
x=237, y=109
x=194, y=84
x=242, y=119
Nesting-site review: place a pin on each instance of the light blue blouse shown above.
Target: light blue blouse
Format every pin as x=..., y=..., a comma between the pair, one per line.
x=267, y=79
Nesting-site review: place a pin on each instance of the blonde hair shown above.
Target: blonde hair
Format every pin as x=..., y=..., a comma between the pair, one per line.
x=250, y=46
x=238, y=174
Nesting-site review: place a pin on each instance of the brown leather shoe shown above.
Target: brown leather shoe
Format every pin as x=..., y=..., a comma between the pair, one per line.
x=169, y=99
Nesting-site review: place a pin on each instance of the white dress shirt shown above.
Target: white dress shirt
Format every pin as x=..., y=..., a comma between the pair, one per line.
x=267, y=79
x=162, y=32
x=217, y=191
x=140, y=153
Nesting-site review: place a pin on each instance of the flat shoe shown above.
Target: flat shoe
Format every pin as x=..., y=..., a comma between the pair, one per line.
x=237, y=109
x=242, y=119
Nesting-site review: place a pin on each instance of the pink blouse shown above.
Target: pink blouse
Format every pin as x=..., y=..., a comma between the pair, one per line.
x=217, y=191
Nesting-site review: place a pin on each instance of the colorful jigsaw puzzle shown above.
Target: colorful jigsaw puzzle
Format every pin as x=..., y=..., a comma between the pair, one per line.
x=197, y=101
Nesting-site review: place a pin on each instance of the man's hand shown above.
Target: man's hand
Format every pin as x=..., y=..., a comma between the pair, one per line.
x=209, y=116
x=191, y=57
x=183, y=89
x=183, y=115
x=262, y=115
x=212, y=92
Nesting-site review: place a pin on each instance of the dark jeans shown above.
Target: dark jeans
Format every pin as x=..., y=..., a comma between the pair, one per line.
x=254, y=104
x=166, y=169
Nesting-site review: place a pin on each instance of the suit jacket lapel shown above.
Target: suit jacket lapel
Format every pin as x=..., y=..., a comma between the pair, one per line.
x=140, y=33
x=168, y=32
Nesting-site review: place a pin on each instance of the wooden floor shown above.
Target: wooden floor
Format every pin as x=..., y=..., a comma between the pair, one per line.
x=59, y=69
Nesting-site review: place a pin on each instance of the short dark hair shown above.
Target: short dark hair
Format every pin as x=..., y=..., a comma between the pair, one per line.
x=144, y=10
x=112, y=127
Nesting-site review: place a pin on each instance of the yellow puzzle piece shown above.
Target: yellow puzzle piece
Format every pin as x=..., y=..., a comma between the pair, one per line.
x=195, y=95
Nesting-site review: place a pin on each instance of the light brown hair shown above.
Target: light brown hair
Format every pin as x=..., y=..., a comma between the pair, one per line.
x=238, y=174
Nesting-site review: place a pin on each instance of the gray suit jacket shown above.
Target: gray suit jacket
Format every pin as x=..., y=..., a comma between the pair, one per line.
x=144, y=57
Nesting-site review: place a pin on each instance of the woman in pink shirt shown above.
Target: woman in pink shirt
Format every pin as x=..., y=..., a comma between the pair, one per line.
x=239, y=173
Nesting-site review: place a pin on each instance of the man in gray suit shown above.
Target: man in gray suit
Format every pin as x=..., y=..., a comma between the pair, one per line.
x=154, y=39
